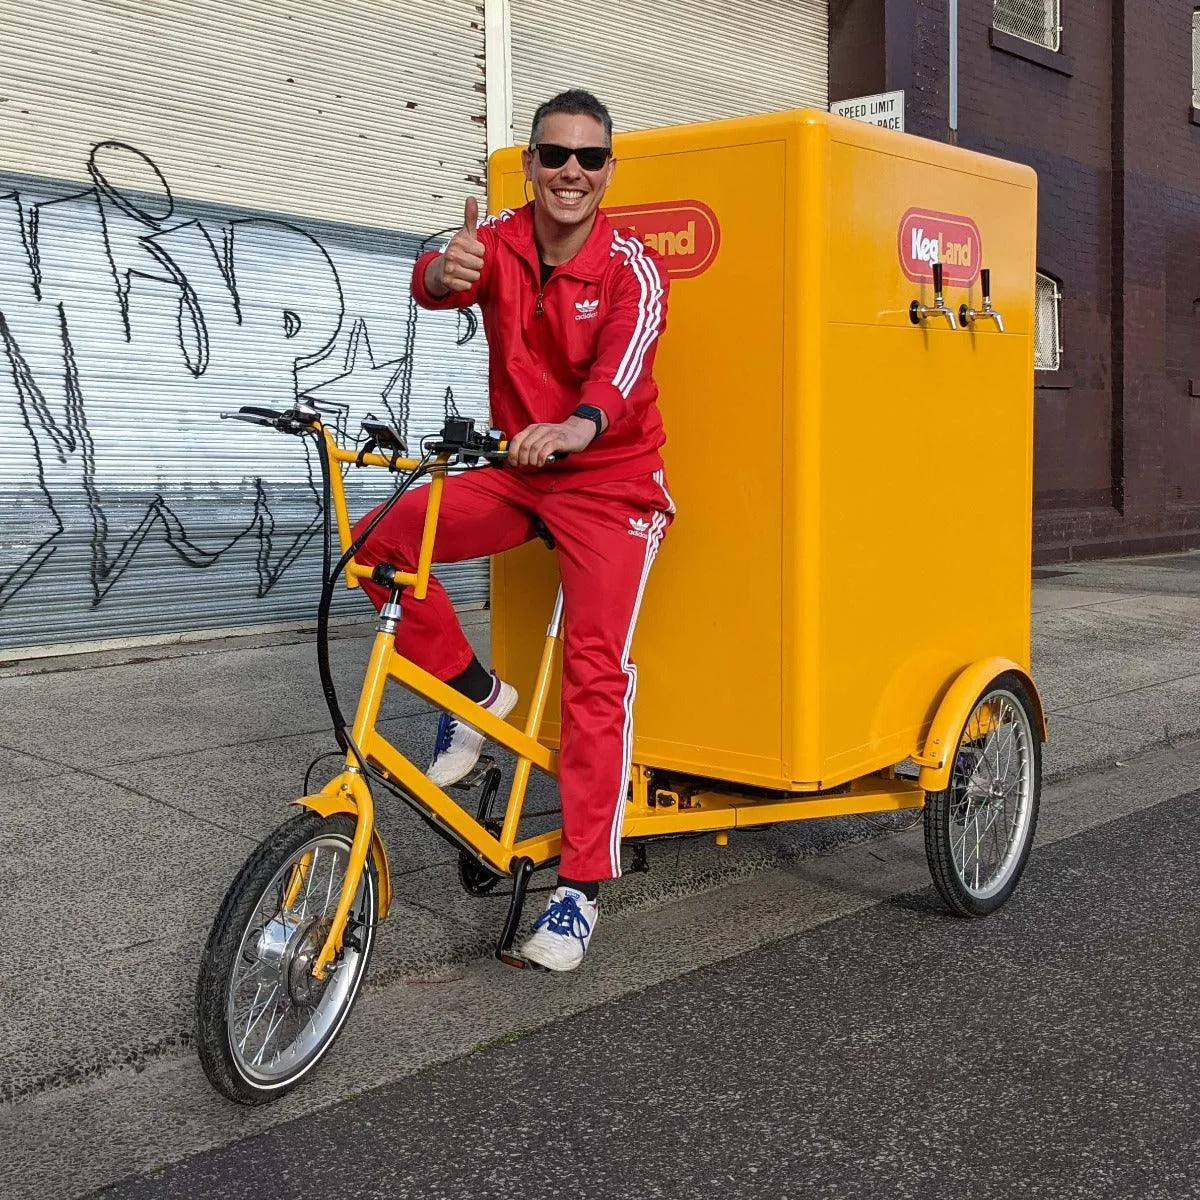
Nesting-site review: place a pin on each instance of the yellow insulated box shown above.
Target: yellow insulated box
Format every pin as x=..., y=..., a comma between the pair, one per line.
x=854, y=489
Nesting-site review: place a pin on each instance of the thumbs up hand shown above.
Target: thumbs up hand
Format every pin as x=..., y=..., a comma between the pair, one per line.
x=459, y=268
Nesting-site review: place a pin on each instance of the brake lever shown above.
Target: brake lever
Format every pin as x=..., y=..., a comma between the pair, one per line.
x=291, y=420
x=249, y=418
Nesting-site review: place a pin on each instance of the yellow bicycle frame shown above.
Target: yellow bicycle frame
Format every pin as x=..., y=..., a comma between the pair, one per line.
x=349, y=793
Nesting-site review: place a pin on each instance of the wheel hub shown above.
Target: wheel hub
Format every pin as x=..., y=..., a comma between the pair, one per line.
x=304, y=989
x=290, y=949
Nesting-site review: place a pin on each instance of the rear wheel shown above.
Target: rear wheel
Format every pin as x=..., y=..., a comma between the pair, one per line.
x=262, y=1020
x=979, y=831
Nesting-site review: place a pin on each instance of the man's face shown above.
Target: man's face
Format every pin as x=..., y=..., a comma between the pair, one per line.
x=568, y=194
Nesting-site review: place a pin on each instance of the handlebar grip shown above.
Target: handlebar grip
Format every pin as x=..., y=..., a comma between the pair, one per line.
x=501, y=455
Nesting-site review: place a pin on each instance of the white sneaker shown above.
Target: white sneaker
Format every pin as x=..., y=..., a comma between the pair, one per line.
x=458, y=745
x=561, y=934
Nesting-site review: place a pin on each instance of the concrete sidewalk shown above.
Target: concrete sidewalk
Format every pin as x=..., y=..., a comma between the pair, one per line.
x=133, y=784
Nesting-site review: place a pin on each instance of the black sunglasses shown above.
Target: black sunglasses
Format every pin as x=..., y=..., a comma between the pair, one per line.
x=590, y=158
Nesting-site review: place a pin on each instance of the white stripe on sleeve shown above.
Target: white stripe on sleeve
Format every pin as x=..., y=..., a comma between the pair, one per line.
x=649, y=313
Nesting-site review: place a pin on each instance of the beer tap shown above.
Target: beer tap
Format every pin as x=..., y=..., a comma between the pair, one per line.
x=918, y=312
x=968, y=316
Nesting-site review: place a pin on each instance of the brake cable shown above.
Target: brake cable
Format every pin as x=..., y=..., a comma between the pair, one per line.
x=330, y=577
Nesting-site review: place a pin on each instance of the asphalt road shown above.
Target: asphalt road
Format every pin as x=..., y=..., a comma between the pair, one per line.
x=1051, y=1050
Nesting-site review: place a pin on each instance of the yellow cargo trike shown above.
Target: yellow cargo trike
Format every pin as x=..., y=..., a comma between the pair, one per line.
x=840, y=619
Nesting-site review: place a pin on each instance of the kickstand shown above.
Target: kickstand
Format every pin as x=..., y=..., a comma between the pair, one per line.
x=522, y=871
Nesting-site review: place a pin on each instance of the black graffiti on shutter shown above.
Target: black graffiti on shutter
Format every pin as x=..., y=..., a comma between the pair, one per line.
x=139, y=239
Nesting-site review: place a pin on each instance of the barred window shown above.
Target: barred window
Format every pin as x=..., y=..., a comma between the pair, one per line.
x=1034, y=21
x=1196, y=58
x=1047, y=318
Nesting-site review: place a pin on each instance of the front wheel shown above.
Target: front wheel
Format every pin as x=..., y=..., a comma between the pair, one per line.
x=979, y=831
x=262, y=1020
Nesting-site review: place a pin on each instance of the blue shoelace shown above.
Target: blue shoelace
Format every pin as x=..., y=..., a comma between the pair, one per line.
x=564, y=918
x=445, y=734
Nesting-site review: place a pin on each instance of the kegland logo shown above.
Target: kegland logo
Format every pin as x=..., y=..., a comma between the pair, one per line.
x=927, y=237
x=685, y=232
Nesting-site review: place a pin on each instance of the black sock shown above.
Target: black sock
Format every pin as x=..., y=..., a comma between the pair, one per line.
x=475, y=682
x=590, y=890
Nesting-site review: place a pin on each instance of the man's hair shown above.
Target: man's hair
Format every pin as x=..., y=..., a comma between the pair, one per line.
x=576, y=102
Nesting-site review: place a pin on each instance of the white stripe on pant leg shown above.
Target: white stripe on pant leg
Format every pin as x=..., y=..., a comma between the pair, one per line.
x=653, y=540
x=660, y=478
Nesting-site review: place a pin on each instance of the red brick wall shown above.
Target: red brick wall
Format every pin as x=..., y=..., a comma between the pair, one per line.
x=1117, y=453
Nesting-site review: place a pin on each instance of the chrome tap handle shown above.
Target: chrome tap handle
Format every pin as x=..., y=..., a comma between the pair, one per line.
x=991, y=313
x=918, y=312
x=968, y=316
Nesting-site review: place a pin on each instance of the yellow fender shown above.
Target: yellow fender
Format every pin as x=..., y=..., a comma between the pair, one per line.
x=335, y=800
x=937, y=759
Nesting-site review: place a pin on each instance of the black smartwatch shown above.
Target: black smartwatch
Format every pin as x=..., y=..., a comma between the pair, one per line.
x=591, y=413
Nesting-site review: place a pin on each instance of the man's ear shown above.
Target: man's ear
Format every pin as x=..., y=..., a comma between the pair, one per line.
x=609, y=170
x=527, y=164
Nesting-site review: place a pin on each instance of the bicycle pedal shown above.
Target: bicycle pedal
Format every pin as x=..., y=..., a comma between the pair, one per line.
x=477, y=774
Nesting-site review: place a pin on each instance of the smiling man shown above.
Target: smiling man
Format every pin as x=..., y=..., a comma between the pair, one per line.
x=573, y=310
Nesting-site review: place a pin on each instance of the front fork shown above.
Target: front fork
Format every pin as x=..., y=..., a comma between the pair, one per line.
x=353, y=784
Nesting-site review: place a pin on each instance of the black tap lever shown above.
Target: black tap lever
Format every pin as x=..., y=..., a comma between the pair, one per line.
x=968, y=316
x=918, y=312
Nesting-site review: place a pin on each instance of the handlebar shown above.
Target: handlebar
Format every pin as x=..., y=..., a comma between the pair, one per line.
x=458, y=443
x=458, y=440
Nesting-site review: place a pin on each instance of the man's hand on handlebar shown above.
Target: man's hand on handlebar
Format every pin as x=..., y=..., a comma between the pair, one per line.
x=534, y=445
x=459, y=268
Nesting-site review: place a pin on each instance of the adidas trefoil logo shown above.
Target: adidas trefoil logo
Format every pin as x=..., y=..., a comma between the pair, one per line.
x=585, y=310
x=639, y=528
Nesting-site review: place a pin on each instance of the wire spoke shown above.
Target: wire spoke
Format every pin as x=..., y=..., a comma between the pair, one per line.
x=330, y=891
x=312, y=870
x=275, y=1023
x=258, y=969
x=255, y=1021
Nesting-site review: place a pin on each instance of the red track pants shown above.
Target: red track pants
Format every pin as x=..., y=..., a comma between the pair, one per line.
x=608, y=535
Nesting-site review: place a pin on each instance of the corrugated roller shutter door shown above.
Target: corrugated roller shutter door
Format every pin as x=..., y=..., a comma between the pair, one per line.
x=667, y=62
x=205, y=206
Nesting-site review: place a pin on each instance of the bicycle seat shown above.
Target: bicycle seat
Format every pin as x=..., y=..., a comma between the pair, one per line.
x=540, y=530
